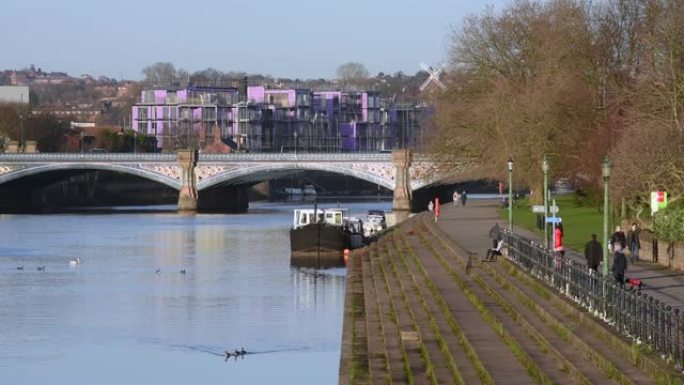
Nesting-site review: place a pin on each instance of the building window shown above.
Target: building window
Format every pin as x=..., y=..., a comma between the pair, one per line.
x=142, y=113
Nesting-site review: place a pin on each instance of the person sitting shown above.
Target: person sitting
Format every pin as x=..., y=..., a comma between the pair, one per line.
x=493, y=252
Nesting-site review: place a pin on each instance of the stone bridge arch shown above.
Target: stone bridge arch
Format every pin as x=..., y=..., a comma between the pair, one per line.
x=209, y=175
x=9, y=173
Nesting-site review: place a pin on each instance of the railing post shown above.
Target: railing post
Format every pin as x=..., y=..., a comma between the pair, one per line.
x=677, y=338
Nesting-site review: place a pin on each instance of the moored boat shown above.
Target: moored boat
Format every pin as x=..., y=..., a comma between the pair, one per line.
x=375, y=223
x=317, y=232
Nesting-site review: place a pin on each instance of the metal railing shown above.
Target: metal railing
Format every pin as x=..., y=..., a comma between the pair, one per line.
x=633, y=313
x=156, y=157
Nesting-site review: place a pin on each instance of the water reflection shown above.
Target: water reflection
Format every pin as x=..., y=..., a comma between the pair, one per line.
x=84, y=323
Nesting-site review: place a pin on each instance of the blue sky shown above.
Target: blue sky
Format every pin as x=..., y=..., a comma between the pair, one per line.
x=297, y=38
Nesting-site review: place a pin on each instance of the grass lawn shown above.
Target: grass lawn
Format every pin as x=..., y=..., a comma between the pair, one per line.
x=579, y=222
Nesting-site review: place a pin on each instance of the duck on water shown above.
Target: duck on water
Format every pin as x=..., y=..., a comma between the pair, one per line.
x=237, y=353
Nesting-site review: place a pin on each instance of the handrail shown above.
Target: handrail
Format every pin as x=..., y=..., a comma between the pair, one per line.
x=637, y=315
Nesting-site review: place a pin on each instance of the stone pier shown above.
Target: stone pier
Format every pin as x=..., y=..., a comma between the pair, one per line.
x=187, y=197
x=401, y=201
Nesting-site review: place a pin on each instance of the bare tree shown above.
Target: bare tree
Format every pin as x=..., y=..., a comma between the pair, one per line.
x=352, y=74
x=521, y=91
x=160, y=74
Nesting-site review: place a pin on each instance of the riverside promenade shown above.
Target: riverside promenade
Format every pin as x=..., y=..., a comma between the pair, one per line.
x=421, y=308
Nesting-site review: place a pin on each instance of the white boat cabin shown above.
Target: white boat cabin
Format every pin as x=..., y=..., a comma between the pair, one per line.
x=332, y=216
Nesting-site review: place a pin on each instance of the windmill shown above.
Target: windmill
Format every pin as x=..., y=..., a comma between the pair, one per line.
x=433, y=76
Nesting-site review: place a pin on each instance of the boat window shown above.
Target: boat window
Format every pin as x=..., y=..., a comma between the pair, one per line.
x=338, y=218
x=320, y=217
x=311, y=218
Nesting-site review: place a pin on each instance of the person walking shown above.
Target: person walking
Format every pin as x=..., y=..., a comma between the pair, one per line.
x=593, y=252
x=633, y=242
x=618, y=237
x=558, y=240
x=619, y=265
x=464, y=197
x=558, y=246
x=495, y=234
x=456, y=197
x=437, y=209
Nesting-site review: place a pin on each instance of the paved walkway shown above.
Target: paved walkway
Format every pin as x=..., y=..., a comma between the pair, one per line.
x=469, y=227
x=418, y=311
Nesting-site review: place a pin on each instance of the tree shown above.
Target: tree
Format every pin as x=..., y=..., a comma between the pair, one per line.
x=160, y=74
x=669, y=227
x=648, y=156
x=352, y=75
x=49, y=131
x=519, y=90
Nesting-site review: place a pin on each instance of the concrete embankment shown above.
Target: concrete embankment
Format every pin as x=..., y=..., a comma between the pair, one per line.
x=421, y=308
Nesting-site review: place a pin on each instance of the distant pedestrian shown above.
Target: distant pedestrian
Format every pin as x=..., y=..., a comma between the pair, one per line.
x=618, y=237
x=457, y=198
x=464, y=197
x=558, y=240
x=436, y=209
x=619, y=265
x=633, y=242
x=593, y=252
x=495, y=234
x=431, y=206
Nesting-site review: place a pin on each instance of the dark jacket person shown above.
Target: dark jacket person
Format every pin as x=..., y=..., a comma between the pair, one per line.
x=495, y=234
x=619, y=265
x=593, y=252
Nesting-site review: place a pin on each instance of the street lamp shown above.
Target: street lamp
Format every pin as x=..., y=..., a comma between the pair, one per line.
x=510, y=194
x=605, y=171
x=21, y=129
x=545, y=169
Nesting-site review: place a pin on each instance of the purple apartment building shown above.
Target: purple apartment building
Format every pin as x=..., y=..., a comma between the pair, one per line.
x=274, y=120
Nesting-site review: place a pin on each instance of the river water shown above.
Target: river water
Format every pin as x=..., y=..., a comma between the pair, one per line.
x=113, y=320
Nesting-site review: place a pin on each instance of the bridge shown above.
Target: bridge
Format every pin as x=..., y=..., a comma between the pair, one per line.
x=190, y=172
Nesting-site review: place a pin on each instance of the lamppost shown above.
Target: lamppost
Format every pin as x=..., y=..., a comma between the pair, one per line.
x=21, y=129
x=605, y=171
x=510, y=194
x=545, y=169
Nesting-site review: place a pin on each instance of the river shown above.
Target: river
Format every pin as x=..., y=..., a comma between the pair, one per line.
x=113, y=320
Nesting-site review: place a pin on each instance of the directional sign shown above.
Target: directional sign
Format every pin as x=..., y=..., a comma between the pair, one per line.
x=553, y=209
x=553, y=220
x=658, y=200
x=538, y=209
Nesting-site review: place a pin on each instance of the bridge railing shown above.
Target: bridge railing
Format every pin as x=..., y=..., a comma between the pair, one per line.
x=233, y=157
x=636, y=315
